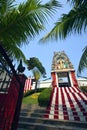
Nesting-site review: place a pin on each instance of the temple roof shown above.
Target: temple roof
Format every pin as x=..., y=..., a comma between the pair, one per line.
x=61, y=62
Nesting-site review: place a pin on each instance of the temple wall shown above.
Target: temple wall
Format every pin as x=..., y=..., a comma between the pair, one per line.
x=82, y=82
x=43, y=84
x=48, y=83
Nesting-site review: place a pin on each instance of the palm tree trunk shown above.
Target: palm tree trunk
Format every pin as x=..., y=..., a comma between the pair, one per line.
x=36, y=86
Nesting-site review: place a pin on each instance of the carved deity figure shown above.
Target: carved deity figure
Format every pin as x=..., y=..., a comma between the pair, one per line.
x=61, y=64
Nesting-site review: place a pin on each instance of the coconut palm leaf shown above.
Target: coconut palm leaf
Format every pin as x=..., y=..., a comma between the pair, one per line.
x=34, y=62
x=6, y=6
x=14, y=52
x=83, y=61
x=23, y=22
x=73, y=22
x=77, y=3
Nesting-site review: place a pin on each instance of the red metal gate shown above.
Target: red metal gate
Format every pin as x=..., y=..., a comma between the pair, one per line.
x=11, y=94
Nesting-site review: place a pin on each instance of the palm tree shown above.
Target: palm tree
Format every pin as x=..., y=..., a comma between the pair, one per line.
x=34, y=62
x=73, y=22
x=37, y=69
x=22, y=22
x=37, y=75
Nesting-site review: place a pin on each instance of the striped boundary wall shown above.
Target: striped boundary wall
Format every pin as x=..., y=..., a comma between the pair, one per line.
x=27, y=85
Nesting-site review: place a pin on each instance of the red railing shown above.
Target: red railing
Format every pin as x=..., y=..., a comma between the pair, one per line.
x=75, y=83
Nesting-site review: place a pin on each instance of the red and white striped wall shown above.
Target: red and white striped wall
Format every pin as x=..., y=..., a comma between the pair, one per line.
x=28, y=85
x=72, y=78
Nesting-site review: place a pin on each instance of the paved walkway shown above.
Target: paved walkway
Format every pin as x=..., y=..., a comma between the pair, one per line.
x=67, y=103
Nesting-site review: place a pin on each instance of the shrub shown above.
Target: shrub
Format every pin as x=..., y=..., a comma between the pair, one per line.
x=44, y=97
x=28, y=93
x=84, y=88
x=33, y=91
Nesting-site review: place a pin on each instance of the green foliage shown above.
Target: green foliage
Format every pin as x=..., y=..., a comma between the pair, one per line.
x=77, y=3
x=73, y=22
x=84, y=88
x=44, y=97
x=32, y=99
x=21, y=22
x=34, y=62
x=36, y=74
x=83, y=60
x=30, y=92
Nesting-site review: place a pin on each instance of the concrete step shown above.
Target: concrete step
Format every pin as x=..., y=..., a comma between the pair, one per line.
x=60, y=112
x=32, y=114
x=33, y=110
x=52, y=121
x=34, y=123
x=33, y=117
x=38, y=126
x=31, y=107
x=52, y=115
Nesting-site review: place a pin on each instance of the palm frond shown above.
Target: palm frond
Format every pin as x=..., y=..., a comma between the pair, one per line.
x=77, y=3
x=6, y=6
x=83, y=61
x=73, y=22
x=25, y=21
x=15, y=53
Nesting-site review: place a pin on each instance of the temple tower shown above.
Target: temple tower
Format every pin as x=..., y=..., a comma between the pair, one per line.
x=62, y=71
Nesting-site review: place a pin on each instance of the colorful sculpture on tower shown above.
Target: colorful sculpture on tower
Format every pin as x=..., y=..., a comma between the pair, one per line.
x=61, y=61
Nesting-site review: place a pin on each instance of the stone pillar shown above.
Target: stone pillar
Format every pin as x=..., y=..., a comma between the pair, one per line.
x=54, y=79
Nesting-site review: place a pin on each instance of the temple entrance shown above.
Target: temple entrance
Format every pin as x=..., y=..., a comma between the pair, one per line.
x=63, y=73
x=63, y=79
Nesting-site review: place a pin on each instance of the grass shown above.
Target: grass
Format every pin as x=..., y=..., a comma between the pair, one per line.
x=32, y=99
x=41, y=97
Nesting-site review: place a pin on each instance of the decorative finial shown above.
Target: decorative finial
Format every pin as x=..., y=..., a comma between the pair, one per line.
x=20, y=68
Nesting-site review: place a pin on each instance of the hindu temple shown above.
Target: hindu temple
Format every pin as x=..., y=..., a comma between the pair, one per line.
x=62, y=71
x=67, y=101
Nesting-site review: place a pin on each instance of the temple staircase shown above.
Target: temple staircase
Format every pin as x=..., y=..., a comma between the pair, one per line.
x=68, y=103
x=67, y=110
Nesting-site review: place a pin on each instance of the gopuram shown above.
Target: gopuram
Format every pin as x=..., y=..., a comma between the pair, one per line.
x=62, y=71
x=67, y=101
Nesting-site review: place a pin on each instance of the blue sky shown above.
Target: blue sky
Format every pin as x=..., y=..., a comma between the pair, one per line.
x=73, y=45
